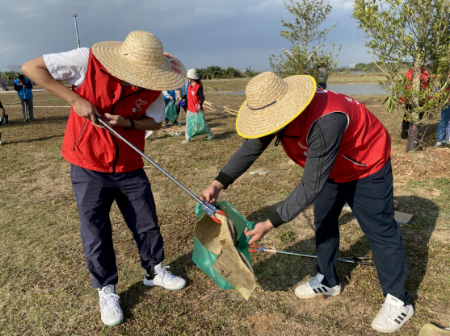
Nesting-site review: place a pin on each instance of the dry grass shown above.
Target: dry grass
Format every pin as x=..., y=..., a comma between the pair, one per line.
x=45, y=286
x=240, y=84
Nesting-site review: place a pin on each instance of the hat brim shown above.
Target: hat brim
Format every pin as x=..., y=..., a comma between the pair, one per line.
x=252, y=124
x=168, y=76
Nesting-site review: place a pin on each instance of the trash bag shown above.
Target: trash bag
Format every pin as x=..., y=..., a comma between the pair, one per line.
x=171, y=111
x=196, y=125
x=205, y=259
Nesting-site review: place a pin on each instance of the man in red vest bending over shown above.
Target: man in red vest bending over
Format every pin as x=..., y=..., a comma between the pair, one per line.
x=120, y=82
x=345, y=151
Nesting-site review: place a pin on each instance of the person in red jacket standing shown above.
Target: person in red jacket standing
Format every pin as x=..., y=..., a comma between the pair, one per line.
x=345, y=151
x=120, y=82
x=195, y=98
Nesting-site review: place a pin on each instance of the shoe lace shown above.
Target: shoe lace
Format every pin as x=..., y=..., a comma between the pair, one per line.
x=166, y=275
x=111, y=302
x=390, y=311
x=314, y=282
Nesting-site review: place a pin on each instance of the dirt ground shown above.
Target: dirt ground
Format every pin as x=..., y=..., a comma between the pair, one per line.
x=45, y=286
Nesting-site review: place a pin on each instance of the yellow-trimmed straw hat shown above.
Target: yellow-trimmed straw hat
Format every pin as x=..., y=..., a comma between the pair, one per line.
x=272, y=103
x=141, y=61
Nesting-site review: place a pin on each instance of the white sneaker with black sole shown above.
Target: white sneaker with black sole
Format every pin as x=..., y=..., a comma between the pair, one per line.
x=392, y=315
x=315, y=288
x=162, y=277
x=111, y=312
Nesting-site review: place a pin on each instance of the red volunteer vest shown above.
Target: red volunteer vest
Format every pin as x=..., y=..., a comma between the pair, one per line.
x=192, y=99
x=365, y=146
x=95, y=148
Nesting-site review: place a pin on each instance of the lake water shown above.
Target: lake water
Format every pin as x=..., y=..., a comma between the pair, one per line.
x=347, y=89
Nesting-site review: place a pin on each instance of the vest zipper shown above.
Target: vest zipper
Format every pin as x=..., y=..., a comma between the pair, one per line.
x=82, y=131
x=116, y=156
x=356, y=162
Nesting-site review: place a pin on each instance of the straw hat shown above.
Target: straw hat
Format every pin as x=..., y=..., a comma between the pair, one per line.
x=192, y=74
x=272, y=103
x=140, y=61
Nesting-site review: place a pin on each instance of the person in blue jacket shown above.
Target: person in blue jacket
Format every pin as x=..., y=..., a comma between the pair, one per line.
x=24, y=87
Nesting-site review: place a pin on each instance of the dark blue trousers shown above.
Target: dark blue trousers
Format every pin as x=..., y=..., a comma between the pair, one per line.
x=371, y=200
x=95, y=192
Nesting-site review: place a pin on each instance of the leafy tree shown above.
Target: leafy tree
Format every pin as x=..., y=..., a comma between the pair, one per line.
x=414, y=33
x=307, y=40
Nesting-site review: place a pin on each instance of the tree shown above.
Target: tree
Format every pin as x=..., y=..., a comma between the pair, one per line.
x=303, y=33
x=409, y=32
x=16, y=68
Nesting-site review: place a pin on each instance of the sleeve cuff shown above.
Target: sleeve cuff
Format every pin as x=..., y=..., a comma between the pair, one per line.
x=275, y=219
x=224, y=179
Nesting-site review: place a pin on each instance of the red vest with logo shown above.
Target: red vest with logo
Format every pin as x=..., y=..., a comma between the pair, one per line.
x=365, y=145
x=192, y=98
x=94, y=148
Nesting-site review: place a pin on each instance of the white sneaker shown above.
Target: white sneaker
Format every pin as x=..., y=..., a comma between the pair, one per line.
x=315, y=288
x=164, y=278
x=186, y=141
x=392, y=315
x=148, y=133
x=112, y=314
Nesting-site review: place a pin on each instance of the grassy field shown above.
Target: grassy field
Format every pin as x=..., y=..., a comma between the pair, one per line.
x=239, y=84
x=45, y=286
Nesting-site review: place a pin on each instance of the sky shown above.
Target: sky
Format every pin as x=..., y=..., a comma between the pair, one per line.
x=237, y=33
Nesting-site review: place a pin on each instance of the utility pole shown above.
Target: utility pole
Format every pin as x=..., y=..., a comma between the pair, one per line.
x=76, y=27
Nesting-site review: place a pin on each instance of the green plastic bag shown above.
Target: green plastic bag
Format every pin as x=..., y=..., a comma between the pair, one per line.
x=171, y=111
x=196, y=125
x=205, y=259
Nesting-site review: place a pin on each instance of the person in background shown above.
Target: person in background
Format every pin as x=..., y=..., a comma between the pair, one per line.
x=194, y=100
x=322, y=68
x=323, y=74
x=443, y=127
x=416, y=117
x=3, y=115
x=169, y=95
x=126, y=93
x=24, y=87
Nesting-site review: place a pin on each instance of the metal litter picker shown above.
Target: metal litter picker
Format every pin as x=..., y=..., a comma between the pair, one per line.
x=354, y=260
x=208, y=208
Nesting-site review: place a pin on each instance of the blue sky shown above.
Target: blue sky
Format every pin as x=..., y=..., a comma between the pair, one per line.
x=239, y=33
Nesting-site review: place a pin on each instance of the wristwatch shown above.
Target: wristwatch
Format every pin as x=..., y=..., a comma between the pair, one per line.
x=131, y=126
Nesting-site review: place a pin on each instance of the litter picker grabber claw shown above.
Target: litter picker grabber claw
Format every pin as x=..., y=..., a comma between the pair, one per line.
x=354, y=260
x=209, y=208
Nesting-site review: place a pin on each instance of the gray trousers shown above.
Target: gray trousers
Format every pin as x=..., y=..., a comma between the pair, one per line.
x=190, y=114
x=29, y=103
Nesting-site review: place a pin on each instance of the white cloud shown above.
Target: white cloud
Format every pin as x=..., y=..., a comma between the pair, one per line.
x=342, y=3
x=9, y=48
x=213, y=12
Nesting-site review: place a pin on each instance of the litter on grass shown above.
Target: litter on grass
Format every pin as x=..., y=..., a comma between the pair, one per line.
x=259, y=172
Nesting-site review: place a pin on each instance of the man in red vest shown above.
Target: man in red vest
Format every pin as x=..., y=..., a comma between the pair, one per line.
x=120, y=82
x=345, y=152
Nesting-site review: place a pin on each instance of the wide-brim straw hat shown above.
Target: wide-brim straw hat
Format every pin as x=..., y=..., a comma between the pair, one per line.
x=141, y=61
x=272, y=103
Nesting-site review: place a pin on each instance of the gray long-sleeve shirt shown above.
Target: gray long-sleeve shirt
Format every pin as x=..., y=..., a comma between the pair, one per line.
x=323, y=140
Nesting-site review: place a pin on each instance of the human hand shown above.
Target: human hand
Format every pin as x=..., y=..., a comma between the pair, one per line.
x=116, y=120
x=171, y=98
x=259, y=231
x=211, y=194
x=86, y=109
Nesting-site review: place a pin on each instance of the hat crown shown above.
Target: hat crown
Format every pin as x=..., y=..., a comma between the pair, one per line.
x=142, y=47
x=265, y=89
